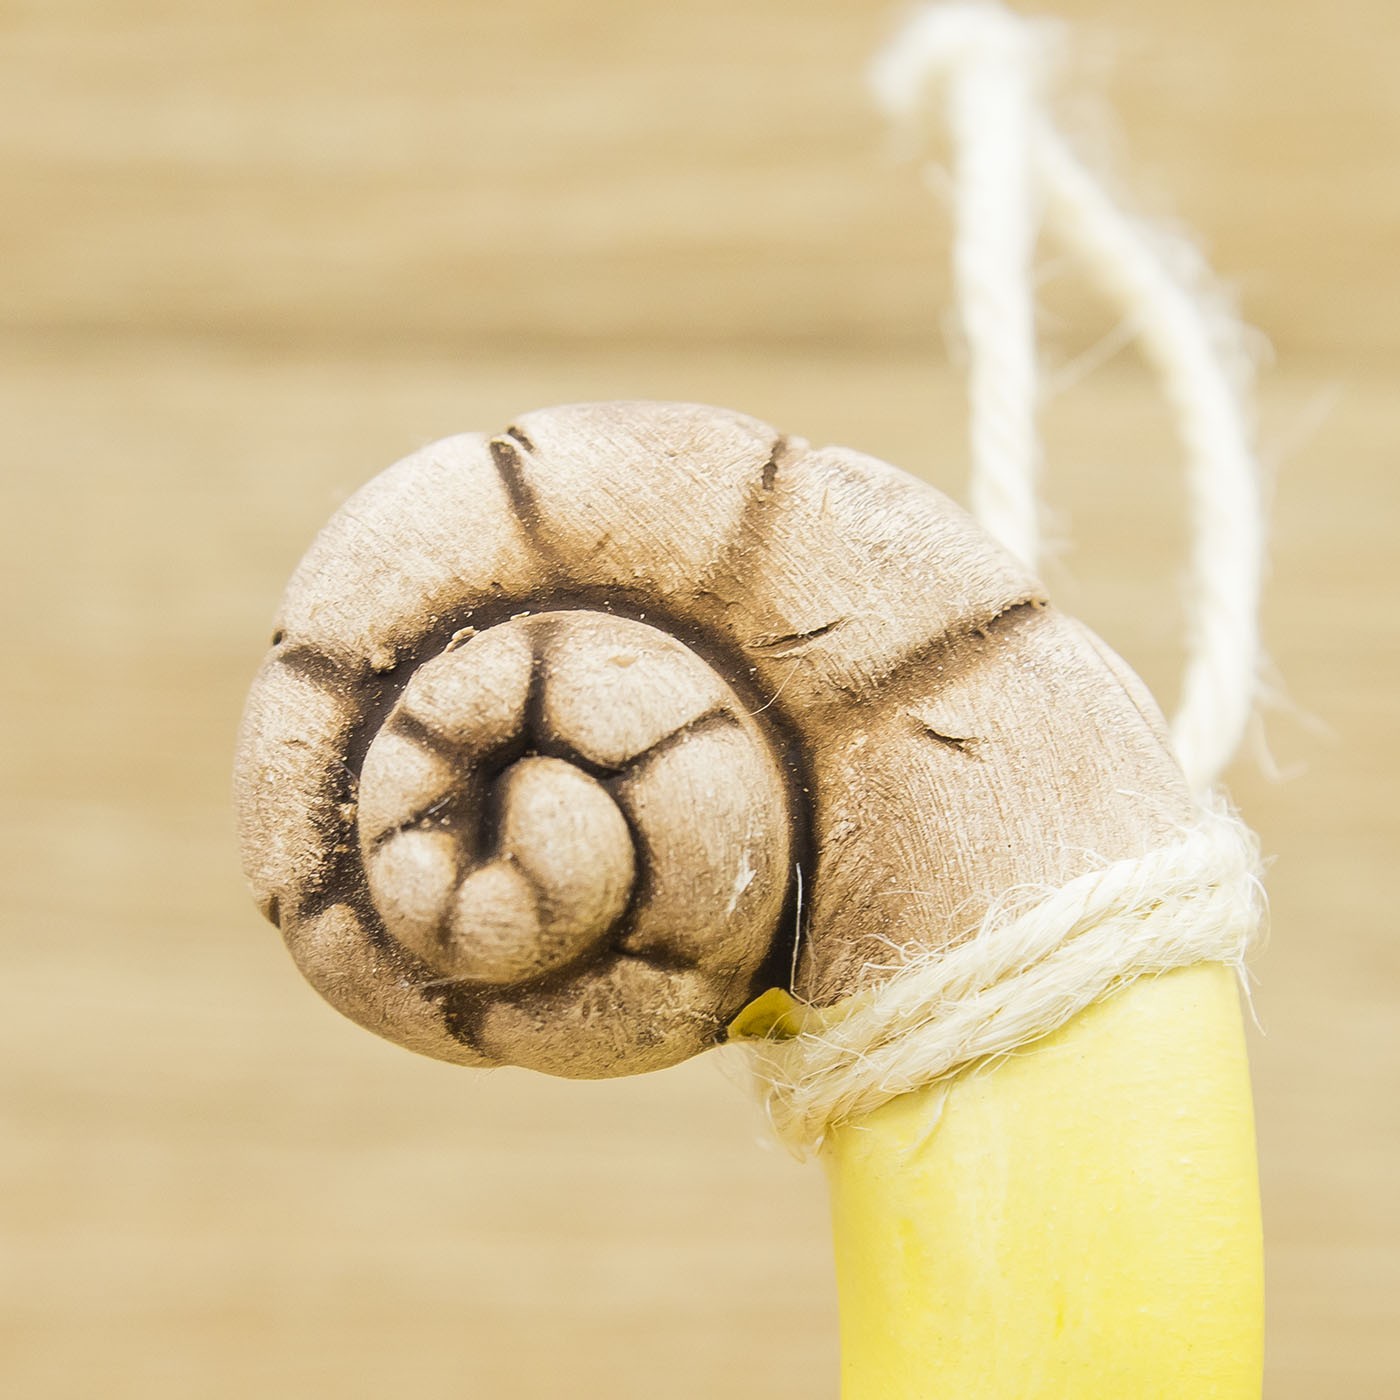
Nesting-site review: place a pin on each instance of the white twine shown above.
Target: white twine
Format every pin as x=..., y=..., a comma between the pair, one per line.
x=1018, y=978
x=991, y=71
x=1023, y=975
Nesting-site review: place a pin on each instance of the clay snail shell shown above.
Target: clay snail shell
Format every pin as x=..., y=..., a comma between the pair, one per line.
x=573, y=740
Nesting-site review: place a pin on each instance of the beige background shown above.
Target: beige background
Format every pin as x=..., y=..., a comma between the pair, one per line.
x=252, y=252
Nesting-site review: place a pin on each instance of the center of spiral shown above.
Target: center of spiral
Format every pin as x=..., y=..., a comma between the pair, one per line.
x=573, y=832
x=559, y=878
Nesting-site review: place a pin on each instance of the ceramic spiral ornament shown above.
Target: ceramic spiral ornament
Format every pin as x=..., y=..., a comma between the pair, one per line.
x=574, y=739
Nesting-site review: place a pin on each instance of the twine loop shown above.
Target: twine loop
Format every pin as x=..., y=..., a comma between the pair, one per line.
x=1026, y=971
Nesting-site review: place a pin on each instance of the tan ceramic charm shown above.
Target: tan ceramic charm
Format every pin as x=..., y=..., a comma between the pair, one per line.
x=573, y=740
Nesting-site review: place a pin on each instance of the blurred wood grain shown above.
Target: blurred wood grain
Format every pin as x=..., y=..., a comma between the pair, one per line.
x=251, y=254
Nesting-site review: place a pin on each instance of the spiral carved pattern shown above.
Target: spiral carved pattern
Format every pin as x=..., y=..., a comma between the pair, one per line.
x=527, y=809
x=574, y=739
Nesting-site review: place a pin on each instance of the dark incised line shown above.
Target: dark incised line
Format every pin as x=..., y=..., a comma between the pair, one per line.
x=446, y=935
x=1010, y=616
x=962, y=745
x=659, y=959
x=643, y=883
x=463, y=1004
x=320, y=669
x=769, y=475
x=955, y=651
x=532, y=721
x=518, y=434
x=793, y=641
x=341, y=882
x=733, y=562
x=552, y=746
x=450, y=812
x=410, y=727
x=746, y=539
x=710, y=720
x=508, y=455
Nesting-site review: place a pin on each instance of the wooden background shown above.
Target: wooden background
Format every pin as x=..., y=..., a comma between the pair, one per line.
x=251, y=252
